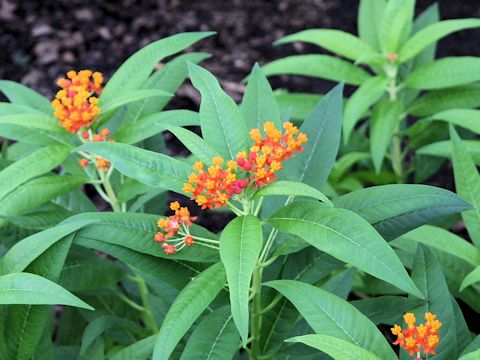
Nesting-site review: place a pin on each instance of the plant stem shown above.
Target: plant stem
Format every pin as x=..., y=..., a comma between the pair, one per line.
x=147, y=313
x=256, y=322
x=397, y=159
x=109, y=190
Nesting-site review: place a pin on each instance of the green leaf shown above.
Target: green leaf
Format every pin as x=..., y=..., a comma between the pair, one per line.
x=187, y=307
x=467, y=183
x=141, y=350
x=37, y=192
x=24, y=252
x=318, y=66
x=337, y=348
x=347, y=237
x=148, y=167
x=291, y=188
x=330, y=315
x=446, y=72
x=25, y=288
x=149, y=125
x=467, y=118
x=39, y=162
x=323, y=128
x=259, y=104
x=366, y=95
x=385, y=119
x=427, y=275
x=471, y=278
x=21, y=95
x=433, y=33
x=131, y=96
x=474, y=355
x=444, y=149
x=215, y=338
x=223, y=126
x=370, y=15
x=336, y=41
x=379, y=309
x=192, y=142
x=240, y=246
x=345, y=163
x=301, y=104
x=396, y=24
x=396, y=209
x=135, y=70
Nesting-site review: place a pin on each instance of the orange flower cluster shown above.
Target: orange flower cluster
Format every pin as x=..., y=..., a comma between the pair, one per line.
x=101, y=163
x=213, y=187
x=422, y=338
x=267, y=154
x=74, y=104
x=172, y=225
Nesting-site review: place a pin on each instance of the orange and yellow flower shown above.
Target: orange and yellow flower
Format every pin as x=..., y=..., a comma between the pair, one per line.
x=75, y=104
x=173, y=225
x=212, y=187
x=99, y=162
x=422, y=338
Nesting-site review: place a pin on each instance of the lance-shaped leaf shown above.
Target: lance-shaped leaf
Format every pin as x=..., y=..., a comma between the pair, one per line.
x=385, y=309
x=291, y=188
x=346, y=236
x=474, y=355
x=330, y=315
x=136, y=69
x=132, y=96
x=370, y=13
x=471, y=278
x=22, y=95
x=396, y=209
x=186, y=308
x=240, y=246
x=25, y=288
x=141, y=350
x=467, y=118
x=433, y=33
x=396, y=24
x=215, y=338
x=223, y=126
x=318, y=66
x=367, y=94
x=148, y=167
x=467, y=183
x=259, y=104
x=337, y=348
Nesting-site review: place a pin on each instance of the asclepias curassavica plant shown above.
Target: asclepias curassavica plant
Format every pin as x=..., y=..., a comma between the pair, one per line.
x=274, y=283
x=392, y=63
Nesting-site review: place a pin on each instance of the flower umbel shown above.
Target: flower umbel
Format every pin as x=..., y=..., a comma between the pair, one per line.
x=212, y=187
x=75, y=104
x=422, y=338
x=88, y=136
x=173, y=225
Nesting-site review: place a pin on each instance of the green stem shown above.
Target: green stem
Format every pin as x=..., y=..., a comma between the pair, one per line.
x=109, y=190
x=131, y=303
x=256, y=322
x=397, y=159
x=147, y=313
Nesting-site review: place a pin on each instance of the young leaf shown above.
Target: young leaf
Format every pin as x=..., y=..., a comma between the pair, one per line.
x=323, y=128
x=215, y=338
x=22, y=95
x=319, y=66
x=347, y=237
x=291, y=188
x=367, y=94
x=467, y=118
x=446, y=72
x=370, y=13
x=396, y=24
x=433, y=33
x=443, y=149
x=259, y=104
x=25, y=288
x=187, y=307
x=299, y=104
x=337, y=348
x=330, y=315
x=396, y=209
x=136, y=69
x=223, y=126
x=471, y=278
x=240, y=246
x=141, y=350
x=474, y=355
x=385, y=119
x=38, y=163
x=131, y=96
x=467, y=183
x=336, y=41
x=148, y=167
